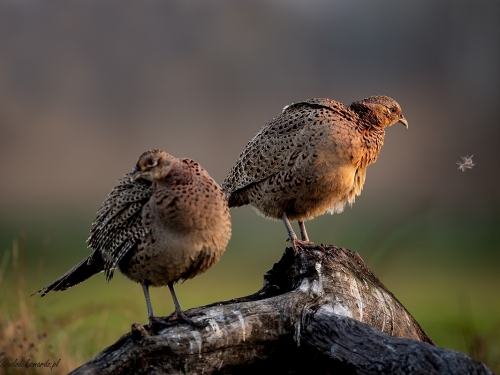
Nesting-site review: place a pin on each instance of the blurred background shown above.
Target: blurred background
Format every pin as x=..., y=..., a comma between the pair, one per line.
x=87, y=86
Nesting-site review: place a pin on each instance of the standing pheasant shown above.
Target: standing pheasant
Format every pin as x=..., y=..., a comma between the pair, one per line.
x=311, y=159
x=166, y=221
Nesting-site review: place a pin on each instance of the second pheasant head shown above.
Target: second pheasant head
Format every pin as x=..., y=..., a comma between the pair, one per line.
x=381, y=110
x=152, y=165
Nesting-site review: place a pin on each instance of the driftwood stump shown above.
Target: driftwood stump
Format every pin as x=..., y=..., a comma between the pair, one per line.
x=320, y=312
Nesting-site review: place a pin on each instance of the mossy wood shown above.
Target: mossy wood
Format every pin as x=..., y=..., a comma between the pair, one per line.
x=322, y=311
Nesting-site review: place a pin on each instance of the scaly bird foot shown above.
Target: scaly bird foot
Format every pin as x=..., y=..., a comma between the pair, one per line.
x=177, y=317
x=298, y=245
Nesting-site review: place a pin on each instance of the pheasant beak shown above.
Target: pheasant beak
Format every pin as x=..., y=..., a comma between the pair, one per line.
x=404, y=122
x=136, y=173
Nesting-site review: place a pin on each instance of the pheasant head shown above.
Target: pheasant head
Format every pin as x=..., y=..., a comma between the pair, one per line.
x=379, y=110
x=152, y=165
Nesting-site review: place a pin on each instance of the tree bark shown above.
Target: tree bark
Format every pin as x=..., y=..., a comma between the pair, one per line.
x=320, y=312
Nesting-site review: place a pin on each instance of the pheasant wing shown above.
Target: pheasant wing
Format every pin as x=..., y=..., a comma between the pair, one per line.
x=119, y=222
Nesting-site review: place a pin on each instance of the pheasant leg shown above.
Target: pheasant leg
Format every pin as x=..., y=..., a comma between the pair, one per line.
x=303, y=232
x=145, y=288
x=292, y=237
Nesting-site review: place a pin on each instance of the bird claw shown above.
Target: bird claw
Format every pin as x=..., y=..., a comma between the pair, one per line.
x=155, y=321
x=177, y=317
x=298, y=245
x=306, y=244
x=181, y=317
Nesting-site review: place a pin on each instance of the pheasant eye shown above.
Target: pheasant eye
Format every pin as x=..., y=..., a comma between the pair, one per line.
x=152, y=163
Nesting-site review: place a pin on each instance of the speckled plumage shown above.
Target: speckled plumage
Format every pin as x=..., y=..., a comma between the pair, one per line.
x=166, y=221
x=311, y=159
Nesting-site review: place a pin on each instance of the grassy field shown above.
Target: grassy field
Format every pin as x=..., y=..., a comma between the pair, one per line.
x=442, y=265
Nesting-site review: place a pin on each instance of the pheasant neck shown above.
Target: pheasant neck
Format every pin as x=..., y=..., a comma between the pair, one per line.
x=373, y=140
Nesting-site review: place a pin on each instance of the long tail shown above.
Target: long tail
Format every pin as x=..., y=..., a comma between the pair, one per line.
x=82, y=271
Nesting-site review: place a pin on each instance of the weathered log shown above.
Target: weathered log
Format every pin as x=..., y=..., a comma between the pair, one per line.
x=320, y=312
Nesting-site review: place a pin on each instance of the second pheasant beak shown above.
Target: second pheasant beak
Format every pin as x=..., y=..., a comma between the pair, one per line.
x=404, y=122
x=136, y=173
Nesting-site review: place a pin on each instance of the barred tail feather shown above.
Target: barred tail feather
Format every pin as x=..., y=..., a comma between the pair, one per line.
x=82, y=271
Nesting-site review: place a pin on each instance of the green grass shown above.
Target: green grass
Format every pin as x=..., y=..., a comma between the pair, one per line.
x=441, y=264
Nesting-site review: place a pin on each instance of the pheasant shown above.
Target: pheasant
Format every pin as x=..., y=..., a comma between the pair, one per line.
x=166, y=221
x=311, y=159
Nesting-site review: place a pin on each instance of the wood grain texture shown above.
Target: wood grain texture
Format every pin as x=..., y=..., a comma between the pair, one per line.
x=320, y=312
